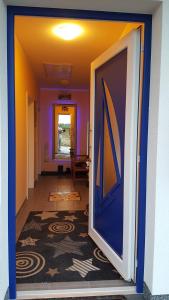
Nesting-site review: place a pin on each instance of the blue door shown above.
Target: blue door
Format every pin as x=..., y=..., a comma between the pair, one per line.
x=114, y=103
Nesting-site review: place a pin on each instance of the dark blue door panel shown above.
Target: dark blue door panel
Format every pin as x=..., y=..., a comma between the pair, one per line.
x=110, y=93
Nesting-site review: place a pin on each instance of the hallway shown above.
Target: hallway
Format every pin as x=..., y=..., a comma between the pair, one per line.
x=38, y=198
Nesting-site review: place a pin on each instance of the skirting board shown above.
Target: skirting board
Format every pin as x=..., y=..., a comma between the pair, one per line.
x=20, y=209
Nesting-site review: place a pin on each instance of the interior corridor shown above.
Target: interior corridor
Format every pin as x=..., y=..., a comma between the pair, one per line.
x=38, y=198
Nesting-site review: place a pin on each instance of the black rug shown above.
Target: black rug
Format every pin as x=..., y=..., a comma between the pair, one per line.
x=55, y=247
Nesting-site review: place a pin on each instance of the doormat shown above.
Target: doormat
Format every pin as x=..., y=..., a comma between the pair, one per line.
x=64, y=196
x=54, y=247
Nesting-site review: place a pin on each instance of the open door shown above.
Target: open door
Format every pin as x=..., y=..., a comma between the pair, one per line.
x=113, y=152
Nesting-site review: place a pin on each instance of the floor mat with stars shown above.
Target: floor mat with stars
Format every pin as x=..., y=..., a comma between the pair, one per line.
x=54, y=247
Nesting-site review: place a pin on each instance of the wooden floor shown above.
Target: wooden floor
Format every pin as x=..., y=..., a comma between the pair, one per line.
x=38, y=198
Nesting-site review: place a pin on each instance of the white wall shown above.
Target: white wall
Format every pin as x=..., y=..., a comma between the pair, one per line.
x=157, y=219
x=3, y=156
x=135, y=6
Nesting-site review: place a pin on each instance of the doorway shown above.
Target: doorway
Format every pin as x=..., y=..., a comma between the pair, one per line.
x=144, y=20
x=64, y=138
x=64, y=127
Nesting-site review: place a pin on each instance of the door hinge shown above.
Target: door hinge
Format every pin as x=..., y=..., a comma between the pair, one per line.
x=138, y=159
x=136, y=263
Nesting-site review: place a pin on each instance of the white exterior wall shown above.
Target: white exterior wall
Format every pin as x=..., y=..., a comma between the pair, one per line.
x=3, y=156
x=131, y=6
x=157, y=220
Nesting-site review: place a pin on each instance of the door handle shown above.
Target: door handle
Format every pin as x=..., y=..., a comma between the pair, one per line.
x=88, y=162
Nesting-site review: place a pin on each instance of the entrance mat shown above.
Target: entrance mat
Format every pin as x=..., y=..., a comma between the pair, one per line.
x=54, y=247
x=64, y=196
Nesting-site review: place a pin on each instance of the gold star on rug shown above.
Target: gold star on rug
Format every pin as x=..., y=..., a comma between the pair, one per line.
x=28, y=242
x=82, y=266
x=70, y=218
x=33, y=225
x=47, y=215
x=52, y=272
x=67, y=245
x=83, y=234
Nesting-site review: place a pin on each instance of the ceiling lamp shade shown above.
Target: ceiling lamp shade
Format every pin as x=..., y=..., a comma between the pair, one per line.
x=67, y=31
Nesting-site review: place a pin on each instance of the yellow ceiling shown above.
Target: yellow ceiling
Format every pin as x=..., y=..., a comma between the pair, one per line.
x=42, y=46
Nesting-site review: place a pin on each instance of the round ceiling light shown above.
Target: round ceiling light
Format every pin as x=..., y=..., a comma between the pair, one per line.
x=68, y=31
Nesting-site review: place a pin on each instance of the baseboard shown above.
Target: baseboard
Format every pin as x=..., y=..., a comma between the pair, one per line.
x=21, y=206
x=149, y=296
x=54, y=173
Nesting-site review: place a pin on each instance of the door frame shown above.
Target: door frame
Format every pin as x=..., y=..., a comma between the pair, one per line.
x=53, y=124
x=31, y=143
x=146, y=19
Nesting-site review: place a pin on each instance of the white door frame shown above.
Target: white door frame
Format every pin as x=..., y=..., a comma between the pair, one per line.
x=30, y=132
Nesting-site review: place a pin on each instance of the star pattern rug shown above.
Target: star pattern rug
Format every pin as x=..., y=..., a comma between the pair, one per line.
x=55, y=247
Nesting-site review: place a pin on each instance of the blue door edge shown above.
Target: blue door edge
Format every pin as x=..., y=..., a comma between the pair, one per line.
x=11, y=157
x=12, y=11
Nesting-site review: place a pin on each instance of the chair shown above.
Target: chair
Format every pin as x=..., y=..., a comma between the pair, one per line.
x=79, y=167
